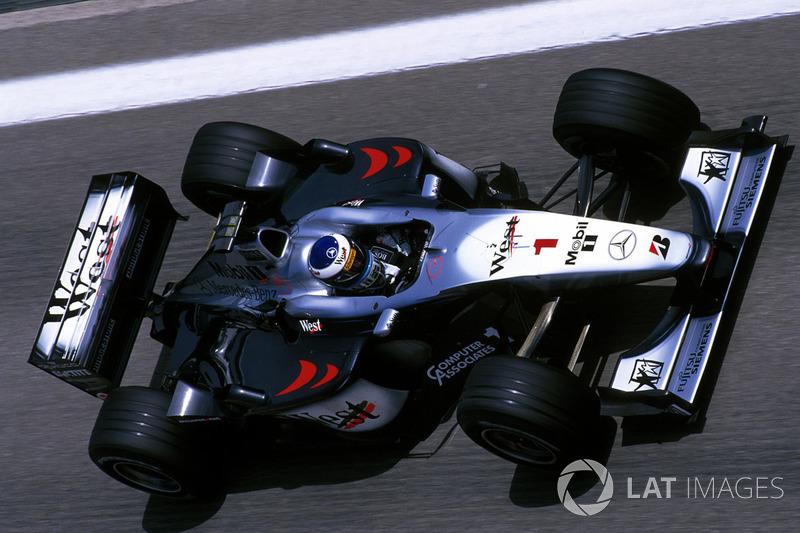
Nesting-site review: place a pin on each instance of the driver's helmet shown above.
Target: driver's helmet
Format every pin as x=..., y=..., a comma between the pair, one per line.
x=340, y=262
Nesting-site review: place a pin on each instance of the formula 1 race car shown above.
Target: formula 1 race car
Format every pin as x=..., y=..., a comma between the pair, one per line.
x=368, y=289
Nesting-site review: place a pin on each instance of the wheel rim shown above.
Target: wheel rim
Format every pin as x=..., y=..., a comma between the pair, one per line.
x=145, y=476
x=521, y=446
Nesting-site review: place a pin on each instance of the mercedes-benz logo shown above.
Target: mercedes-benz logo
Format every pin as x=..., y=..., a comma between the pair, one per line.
x=622, y=244
x=331, y=252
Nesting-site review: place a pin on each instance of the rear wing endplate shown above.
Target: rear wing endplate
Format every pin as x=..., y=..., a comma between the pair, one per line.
x=105, y=282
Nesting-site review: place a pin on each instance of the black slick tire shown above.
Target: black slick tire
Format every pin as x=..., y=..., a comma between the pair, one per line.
x=529, y=412
x=627, y=120
x=134, y=442
x=220, y=158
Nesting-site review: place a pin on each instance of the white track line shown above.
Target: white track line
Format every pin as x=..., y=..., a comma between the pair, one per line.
x=365, y=52
x=79, y=11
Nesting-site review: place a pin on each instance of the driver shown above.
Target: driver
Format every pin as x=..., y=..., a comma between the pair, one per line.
x=338, y=261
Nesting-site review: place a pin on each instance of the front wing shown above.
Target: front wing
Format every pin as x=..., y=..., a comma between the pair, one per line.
x=731, y=179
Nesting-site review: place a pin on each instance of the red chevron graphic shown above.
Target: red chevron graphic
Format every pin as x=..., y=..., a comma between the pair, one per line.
x=307, y=372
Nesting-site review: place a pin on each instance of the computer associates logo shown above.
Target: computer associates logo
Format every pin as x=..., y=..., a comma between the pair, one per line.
x=586, y=509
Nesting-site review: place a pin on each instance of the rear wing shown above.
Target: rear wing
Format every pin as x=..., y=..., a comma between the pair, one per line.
x=105, y=282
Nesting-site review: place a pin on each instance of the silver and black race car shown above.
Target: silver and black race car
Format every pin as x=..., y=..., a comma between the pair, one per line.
x=369, y=289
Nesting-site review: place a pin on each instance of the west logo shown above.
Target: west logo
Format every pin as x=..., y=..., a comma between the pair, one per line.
x=311, y=326
x=74, y=292
x=505, y=249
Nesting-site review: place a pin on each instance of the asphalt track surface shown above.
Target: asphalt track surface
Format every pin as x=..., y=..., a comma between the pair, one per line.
x=477, y=113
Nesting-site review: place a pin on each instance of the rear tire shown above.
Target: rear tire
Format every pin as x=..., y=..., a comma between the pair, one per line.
x=219, y=161
x=529, y=413
x=628, y=121
x=134, y=442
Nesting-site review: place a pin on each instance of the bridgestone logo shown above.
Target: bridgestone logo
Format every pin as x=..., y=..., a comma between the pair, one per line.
x=137, y=248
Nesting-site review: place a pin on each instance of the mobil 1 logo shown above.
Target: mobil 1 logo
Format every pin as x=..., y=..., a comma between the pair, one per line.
x=581, y=242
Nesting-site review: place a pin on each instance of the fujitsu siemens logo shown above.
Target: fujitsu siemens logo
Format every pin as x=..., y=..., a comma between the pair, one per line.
x=748, y=194
x=695, y=358
x=505, y=249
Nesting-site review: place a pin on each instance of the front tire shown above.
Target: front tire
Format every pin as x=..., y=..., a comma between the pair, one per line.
x=134, y=442
x=529, y=413
x=629, y=122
